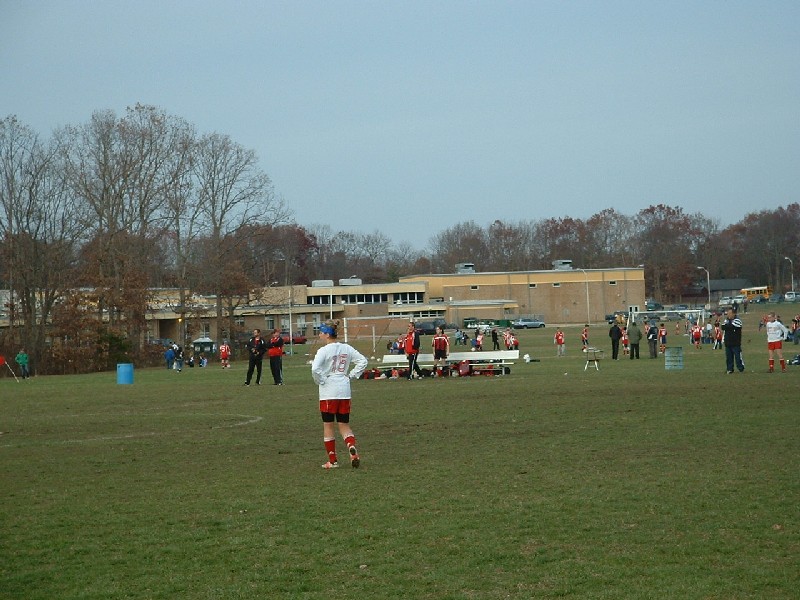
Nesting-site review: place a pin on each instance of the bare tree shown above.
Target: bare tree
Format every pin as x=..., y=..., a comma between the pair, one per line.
x=232, y=192
x=39, y=231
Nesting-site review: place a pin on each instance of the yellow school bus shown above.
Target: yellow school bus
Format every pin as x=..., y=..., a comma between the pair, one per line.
x=751, y=292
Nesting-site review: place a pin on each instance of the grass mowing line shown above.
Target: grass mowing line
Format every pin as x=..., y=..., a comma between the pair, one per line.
x=248, y=420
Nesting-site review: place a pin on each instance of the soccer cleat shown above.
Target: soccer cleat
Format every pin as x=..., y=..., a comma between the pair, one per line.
x=330, y=465
x=354, y=460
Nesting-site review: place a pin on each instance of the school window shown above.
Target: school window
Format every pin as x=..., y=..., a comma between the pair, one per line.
x=239, y=321
x=612, y=283
x=474, y=287
x=408, y=298
x=556, y=285
x=531, y=285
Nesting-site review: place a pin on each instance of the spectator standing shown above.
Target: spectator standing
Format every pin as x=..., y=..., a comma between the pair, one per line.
x=256, y=347
x=558, y=340
x=441, y=348
x=178, y=358
x=411, y=347
x=776, y=333
x=225, y=355
x=652, y=339
x=22, y=360
x=169, y=357
x=495, y=339
x=331, y=371
x=615, y=333
x=634, y=336
x=732, y=330
x=275, y=353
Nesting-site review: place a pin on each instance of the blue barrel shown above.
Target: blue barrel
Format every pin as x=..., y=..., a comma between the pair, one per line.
x=124, y=373
x=673, y=358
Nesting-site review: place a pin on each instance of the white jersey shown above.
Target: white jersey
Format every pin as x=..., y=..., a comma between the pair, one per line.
x=330, y=370
x=776, y=331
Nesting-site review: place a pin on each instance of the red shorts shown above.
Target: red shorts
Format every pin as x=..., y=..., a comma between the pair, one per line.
x=335, y=407
x=775, y=345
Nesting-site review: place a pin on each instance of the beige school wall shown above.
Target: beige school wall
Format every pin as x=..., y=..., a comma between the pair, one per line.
x=560, y=296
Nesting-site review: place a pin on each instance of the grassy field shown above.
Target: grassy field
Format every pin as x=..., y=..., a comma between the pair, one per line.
x=630, y=482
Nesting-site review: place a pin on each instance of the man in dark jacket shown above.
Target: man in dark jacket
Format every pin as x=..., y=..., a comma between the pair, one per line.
x=652, y=340
x=615, y=333
x=732, y=328
x=256, y=347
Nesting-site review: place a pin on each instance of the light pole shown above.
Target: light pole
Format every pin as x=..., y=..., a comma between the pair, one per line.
x=708, y=285
x=588, y=312
x=791, y=262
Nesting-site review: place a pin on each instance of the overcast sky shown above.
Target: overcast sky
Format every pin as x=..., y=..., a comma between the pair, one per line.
x=408, y=117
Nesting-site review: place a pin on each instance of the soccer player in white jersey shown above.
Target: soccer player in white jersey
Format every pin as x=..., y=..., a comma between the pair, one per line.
x=776, y=333
x=331, y=370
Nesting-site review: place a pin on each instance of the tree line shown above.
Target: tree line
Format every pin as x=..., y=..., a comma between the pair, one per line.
x=97, y=215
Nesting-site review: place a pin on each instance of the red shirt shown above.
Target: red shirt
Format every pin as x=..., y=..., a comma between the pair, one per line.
x=440, y=342
x=411, y=345
x=224, y=351
x=559, y=338
x=275, y=346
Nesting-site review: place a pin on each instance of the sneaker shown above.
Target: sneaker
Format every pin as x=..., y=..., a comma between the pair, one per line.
x=330, y=465
x=729, y=372
x=246, y=383
x=354, y=460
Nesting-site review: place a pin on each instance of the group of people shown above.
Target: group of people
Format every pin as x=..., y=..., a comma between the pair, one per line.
x=727, y=334
x=257, y=347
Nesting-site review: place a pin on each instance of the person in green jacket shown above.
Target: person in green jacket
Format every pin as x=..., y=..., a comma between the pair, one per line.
x=634, y=337
x=22, y=361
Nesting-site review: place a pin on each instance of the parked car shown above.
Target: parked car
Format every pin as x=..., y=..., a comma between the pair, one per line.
x=775, y=298
x=791, y=297
x=725, y=302
x=426, y=327
x=296, y=338
x=653, y=305
x=527, y=324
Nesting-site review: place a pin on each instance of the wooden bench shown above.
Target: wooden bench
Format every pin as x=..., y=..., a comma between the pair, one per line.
x=593, y=355
x=478, y=361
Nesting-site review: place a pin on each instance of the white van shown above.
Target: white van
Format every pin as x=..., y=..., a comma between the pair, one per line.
x=739, y=299
x=790, y=297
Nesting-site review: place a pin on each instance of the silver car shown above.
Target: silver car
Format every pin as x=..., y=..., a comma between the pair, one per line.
x=527, y=324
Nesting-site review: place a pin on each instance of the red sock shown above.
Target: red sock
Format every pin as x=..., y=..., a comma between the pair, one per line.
x=772, y=364
x=783, y=364
x=350, y=441
x=330, y=448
